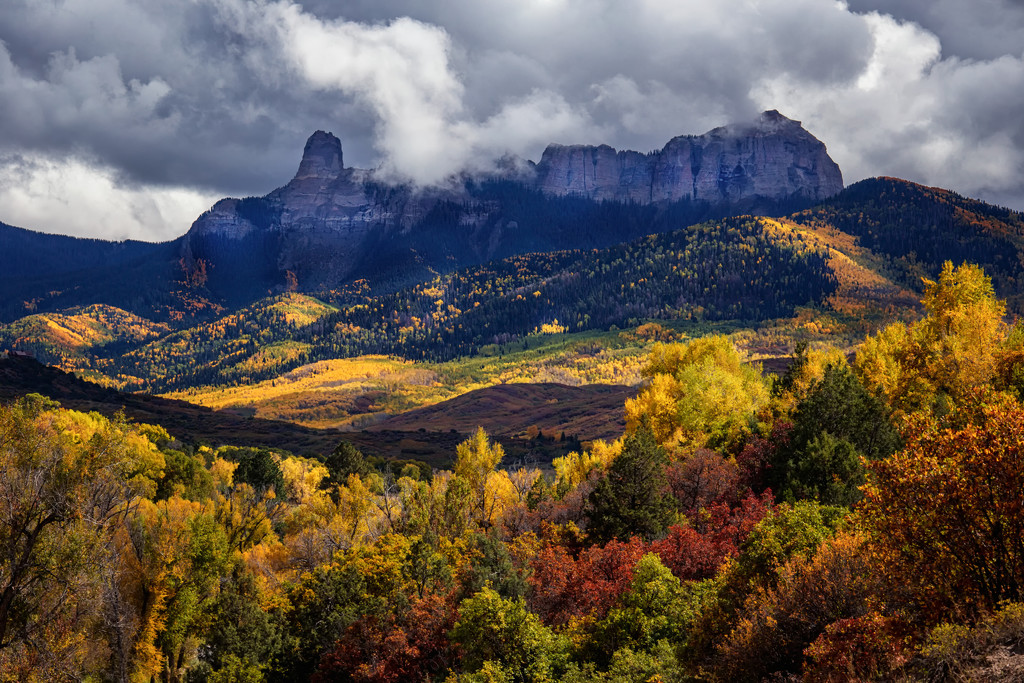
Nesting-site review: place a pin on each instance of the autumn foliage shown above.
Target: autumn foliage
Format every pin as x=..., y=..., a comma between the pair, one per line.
x=947, y=513
x=847, y=521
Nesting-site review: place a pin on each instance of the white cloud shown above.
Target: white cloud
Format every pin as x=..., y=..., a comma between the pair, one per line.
x=911, y=113
x=72, y=197
x=221, y=94
x=78, y=99
x=403, y=69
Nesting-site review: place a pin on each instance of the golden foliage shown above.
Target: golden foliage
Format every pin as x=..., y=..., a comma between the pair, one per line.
x=574, y=468
x=700, y=393
x=954, y=349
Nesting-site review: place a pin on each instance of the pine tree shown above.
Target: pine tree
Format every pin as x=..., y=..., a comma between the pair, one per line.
x=632, y=499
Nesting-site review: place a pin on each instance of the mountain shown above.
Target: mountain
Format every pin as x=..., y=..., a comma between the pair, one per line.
x=331, y=224
x=861, y=254
x=41, y=272
x=837, y=270
x=914, y=229
x=742, y=268
x=772, y=159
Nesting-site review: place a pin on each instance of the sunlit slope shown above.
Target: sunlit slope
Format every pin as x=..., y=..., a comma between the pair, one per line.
x=260, y=338
x=360, y=392
x=732, y=270
x=842, y=268
x=68, y=337
x=743, y=270
x=862, y=287
x=912, y=229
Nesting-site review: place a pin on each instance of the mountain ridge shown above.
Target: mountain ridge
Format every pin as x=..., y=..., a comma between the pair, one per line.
x=331, y=225
x=773, y=157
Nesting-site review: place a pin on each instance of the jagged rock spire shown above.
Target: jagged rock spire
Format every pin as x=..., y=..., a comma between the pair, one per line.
x=321, y=158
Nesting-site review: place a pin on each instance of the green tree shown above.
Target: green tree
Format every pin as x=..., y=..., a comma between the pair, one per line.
x=344, y=460
x=185, y=475
x=491, y=566
x=237, y=628
x=787, y=531
x=646, y=614
x=258, y=468
x=836, y=425
x=633, y=497
x=494, y=631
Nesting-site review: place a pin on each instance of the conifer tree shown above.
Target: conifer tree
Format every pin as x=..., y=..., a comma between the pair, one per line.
x=632, y=498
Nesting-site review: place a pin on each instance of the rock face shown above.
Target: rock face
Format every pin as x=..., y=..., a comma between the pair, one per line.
x=313, y=225
x=321, y=158
x=330, y=222
x=773, y=158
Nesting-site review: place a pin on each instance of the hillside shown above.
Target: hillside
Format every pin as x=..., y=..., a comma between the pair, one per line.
x=331, y=226
x=68, y=337
x=838, y=271
x=45, y=273
x=738, y=269
x=913, y=229
x=587, y=412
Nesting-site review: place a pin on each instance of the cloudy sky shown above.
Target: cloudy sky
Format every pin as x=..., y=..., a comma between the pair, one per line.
x=128, y=118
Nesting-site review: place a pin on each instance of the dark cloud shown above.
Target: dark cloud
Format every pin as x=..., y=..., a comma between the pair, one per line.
x=174, y=104
x=162, y=92
x=978, y=29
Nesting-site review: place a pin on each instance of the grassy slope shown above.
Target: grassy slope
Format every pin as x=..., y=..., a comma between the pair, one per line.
x=200, y=425
x=358, y=392
x=69, y=337
x=511, y=410
x=873, y=289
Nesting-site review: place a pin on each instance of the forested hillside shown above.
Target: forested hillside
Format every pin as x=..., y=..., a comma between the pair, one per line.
x=917, y=228
x=858, y=254
x=853, y=519
x=715, y=271
x=500, y=219
x=40, y=272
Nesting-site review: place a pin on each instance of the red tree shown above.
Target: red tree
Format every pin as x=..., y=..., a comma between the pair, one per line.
x=564, y=587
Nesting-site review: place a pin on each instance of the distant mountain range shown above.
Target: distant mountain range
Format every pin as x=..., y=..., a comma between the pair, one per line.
x=331, y=226
x=337, y=265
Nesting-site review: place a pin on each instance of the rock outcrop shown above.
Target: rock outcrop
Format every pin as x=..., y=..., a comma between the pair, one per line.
x=774, y=158
x=317, y=221
x=321, y=158
x=331, y=223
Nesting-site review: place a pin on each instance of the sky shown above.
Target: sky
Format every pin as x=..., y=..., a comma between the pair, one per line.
x=128, y=118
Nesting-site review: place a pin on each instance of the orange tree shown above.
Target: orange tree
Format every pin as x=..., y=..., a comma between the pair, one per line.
x=946, y=514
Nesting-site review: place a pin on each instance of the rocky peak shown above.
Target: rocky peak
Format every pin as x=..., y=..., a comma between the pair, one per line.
x=773, y=120
x=321, y=158
x=769, y=123
x=772, y=158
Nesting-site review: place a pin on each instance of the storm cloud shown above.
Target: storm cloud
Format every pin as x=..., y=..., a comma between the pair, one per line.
x=127, y=118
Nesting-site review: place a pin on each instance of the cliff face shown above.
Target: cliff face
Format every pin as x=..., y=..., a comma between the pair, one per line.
x=773, y=158
x=322, y=195
x=331, y=223
x=313, y=226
